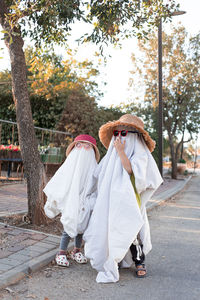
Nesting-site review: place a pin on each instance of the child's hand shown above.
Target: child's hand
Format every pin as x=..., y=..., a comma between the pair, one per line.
x=119, y=146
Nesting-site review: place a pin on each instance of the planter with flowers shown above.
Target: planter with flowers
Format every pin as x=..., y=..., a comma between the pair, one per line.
x=10, y=152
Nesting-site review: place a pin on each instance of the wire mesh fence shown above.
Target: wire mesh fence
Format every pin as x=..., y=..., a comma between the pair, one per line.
x=51, y=145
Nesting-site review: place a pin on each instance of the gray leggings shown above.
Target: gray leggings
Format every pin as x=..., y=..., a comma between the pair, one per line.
x=65, y=239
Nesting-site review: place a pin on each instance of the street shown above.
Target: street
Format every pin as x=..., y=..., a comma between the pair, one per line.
x=173, y=264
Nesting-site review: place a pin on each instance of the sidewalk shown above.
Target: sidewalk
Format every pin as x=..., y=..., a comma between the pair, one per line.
x=13, y=199
x=23, y=251
x=169, y=188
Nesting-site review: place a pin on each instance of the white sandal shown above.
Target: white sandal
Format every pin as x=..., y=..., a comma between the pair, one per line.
x=61, y=260
x=79, y=257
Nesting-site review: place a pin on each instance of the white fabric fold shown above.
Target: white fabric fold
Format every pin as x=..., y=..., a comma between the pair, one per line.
x=116, y=219
x=147, y=181
x=147, y=175
x=66, y=191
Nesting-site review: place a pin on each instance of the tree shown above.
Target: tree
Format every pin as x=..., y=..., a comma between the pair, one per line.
x=7, y=109
x=52, y=80
x=50, y=76
x=49, y=22
x=82, y=115
x=181, y=85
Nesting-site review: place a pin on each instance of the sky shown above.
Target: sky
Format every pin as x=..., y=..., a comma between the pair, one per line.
x=116, y=72
x=119, y=66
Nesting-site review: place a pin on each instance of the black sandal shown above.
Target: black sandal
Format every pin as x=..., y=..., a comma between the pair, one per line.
x=141, y=267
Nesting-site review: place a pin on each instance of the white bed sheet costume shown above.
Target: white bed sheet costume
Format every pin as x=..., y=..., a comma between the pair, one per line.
x=66, y=191
x=117, y=219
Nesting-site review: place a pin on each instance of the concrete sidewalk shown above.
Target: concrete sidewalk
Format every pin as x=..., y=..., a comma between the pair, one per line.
x=23, y=251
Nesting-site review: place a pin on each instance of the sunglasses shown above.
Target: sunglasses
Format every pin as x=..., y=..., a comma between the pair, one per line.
x=87, y=146
x=123, y=132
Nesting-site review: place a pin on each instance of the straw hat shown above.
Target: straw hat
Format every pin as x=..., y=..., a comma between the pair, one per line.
x=106, y=130
x=87, y=139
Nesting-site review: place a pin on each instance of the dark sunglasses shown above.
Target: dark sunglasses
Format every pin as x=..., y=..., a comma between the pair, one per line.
x=123, y=132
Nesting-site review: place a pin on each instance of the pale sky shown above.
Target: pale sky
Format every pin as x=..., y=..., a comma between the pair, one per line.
x=119, y=66
x=116, y=72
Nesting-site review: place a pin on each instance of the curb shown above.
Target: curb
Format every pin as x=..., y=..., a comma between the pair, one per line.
x=155, y=201
x=10, y=183
x=31, y=230
x=18, y=273
x=20, y=212
x=33, y=265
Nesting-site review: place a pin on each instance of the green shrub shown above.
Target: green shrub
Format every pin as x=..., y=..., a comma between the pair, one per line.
x=182, y=161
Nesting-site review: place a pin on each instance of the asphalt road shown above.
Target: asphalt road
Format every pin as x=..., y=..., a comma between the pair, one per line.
x=173, y=264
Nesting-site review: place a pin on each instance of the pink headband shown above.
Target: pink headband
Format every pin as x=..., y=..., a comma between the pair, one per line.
x=85, y=138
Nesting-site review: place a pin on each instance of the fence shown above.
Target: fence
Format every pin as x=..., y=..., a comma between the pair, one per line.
x=51, y=145
x=9, y=134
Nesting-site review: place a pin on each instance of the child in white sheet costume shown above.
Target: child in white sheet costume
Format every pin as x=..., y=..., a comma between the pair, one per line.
x=66, y=194
x=118, y=231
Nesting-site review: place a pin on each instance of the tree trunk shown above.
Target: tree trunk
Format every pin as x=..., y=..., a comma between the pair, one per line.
x=181, y=156
x=173, y=157
x=33, y=167
x=174, y=154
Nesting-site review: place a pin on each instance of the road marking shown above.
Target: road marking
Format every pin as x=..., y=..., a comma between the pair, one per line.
x=182, y=206
x=188, y=230
x=181, y=218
